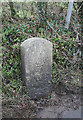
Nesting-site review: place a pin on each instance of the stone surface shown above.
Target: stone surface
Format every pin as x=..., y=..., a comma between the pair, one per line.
x=36, y=54
x=48, y=112
x=72, y=113
x=61, y=112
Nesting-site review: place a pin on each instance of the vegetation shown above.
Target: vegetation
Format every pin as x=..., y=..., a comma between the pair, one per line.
x=42, y=22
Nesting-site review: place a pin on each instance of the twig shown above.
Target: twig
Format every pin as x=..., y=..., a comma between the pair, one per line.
x=77, y=38
x=77, y=34
x=52, y=28
x=12, y=20
x=62, y=20
x=79, y=8
x=67, y=58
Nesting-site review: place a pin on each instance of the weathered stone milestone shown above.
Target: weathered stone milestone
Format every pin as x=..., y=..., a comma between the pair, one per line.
x=36, y=54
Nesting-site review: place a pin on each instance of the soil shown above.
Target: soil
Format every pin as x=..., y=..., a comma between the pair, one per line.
x=63, y=102
x=66, y=105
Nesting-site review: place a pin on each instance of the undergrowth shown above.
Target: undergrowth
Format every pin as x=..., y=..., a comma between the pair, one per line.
x=66, y=52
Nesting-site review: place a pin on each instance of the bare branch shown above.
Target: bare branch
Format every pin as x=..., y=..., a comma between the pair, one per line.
x=52, y=28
